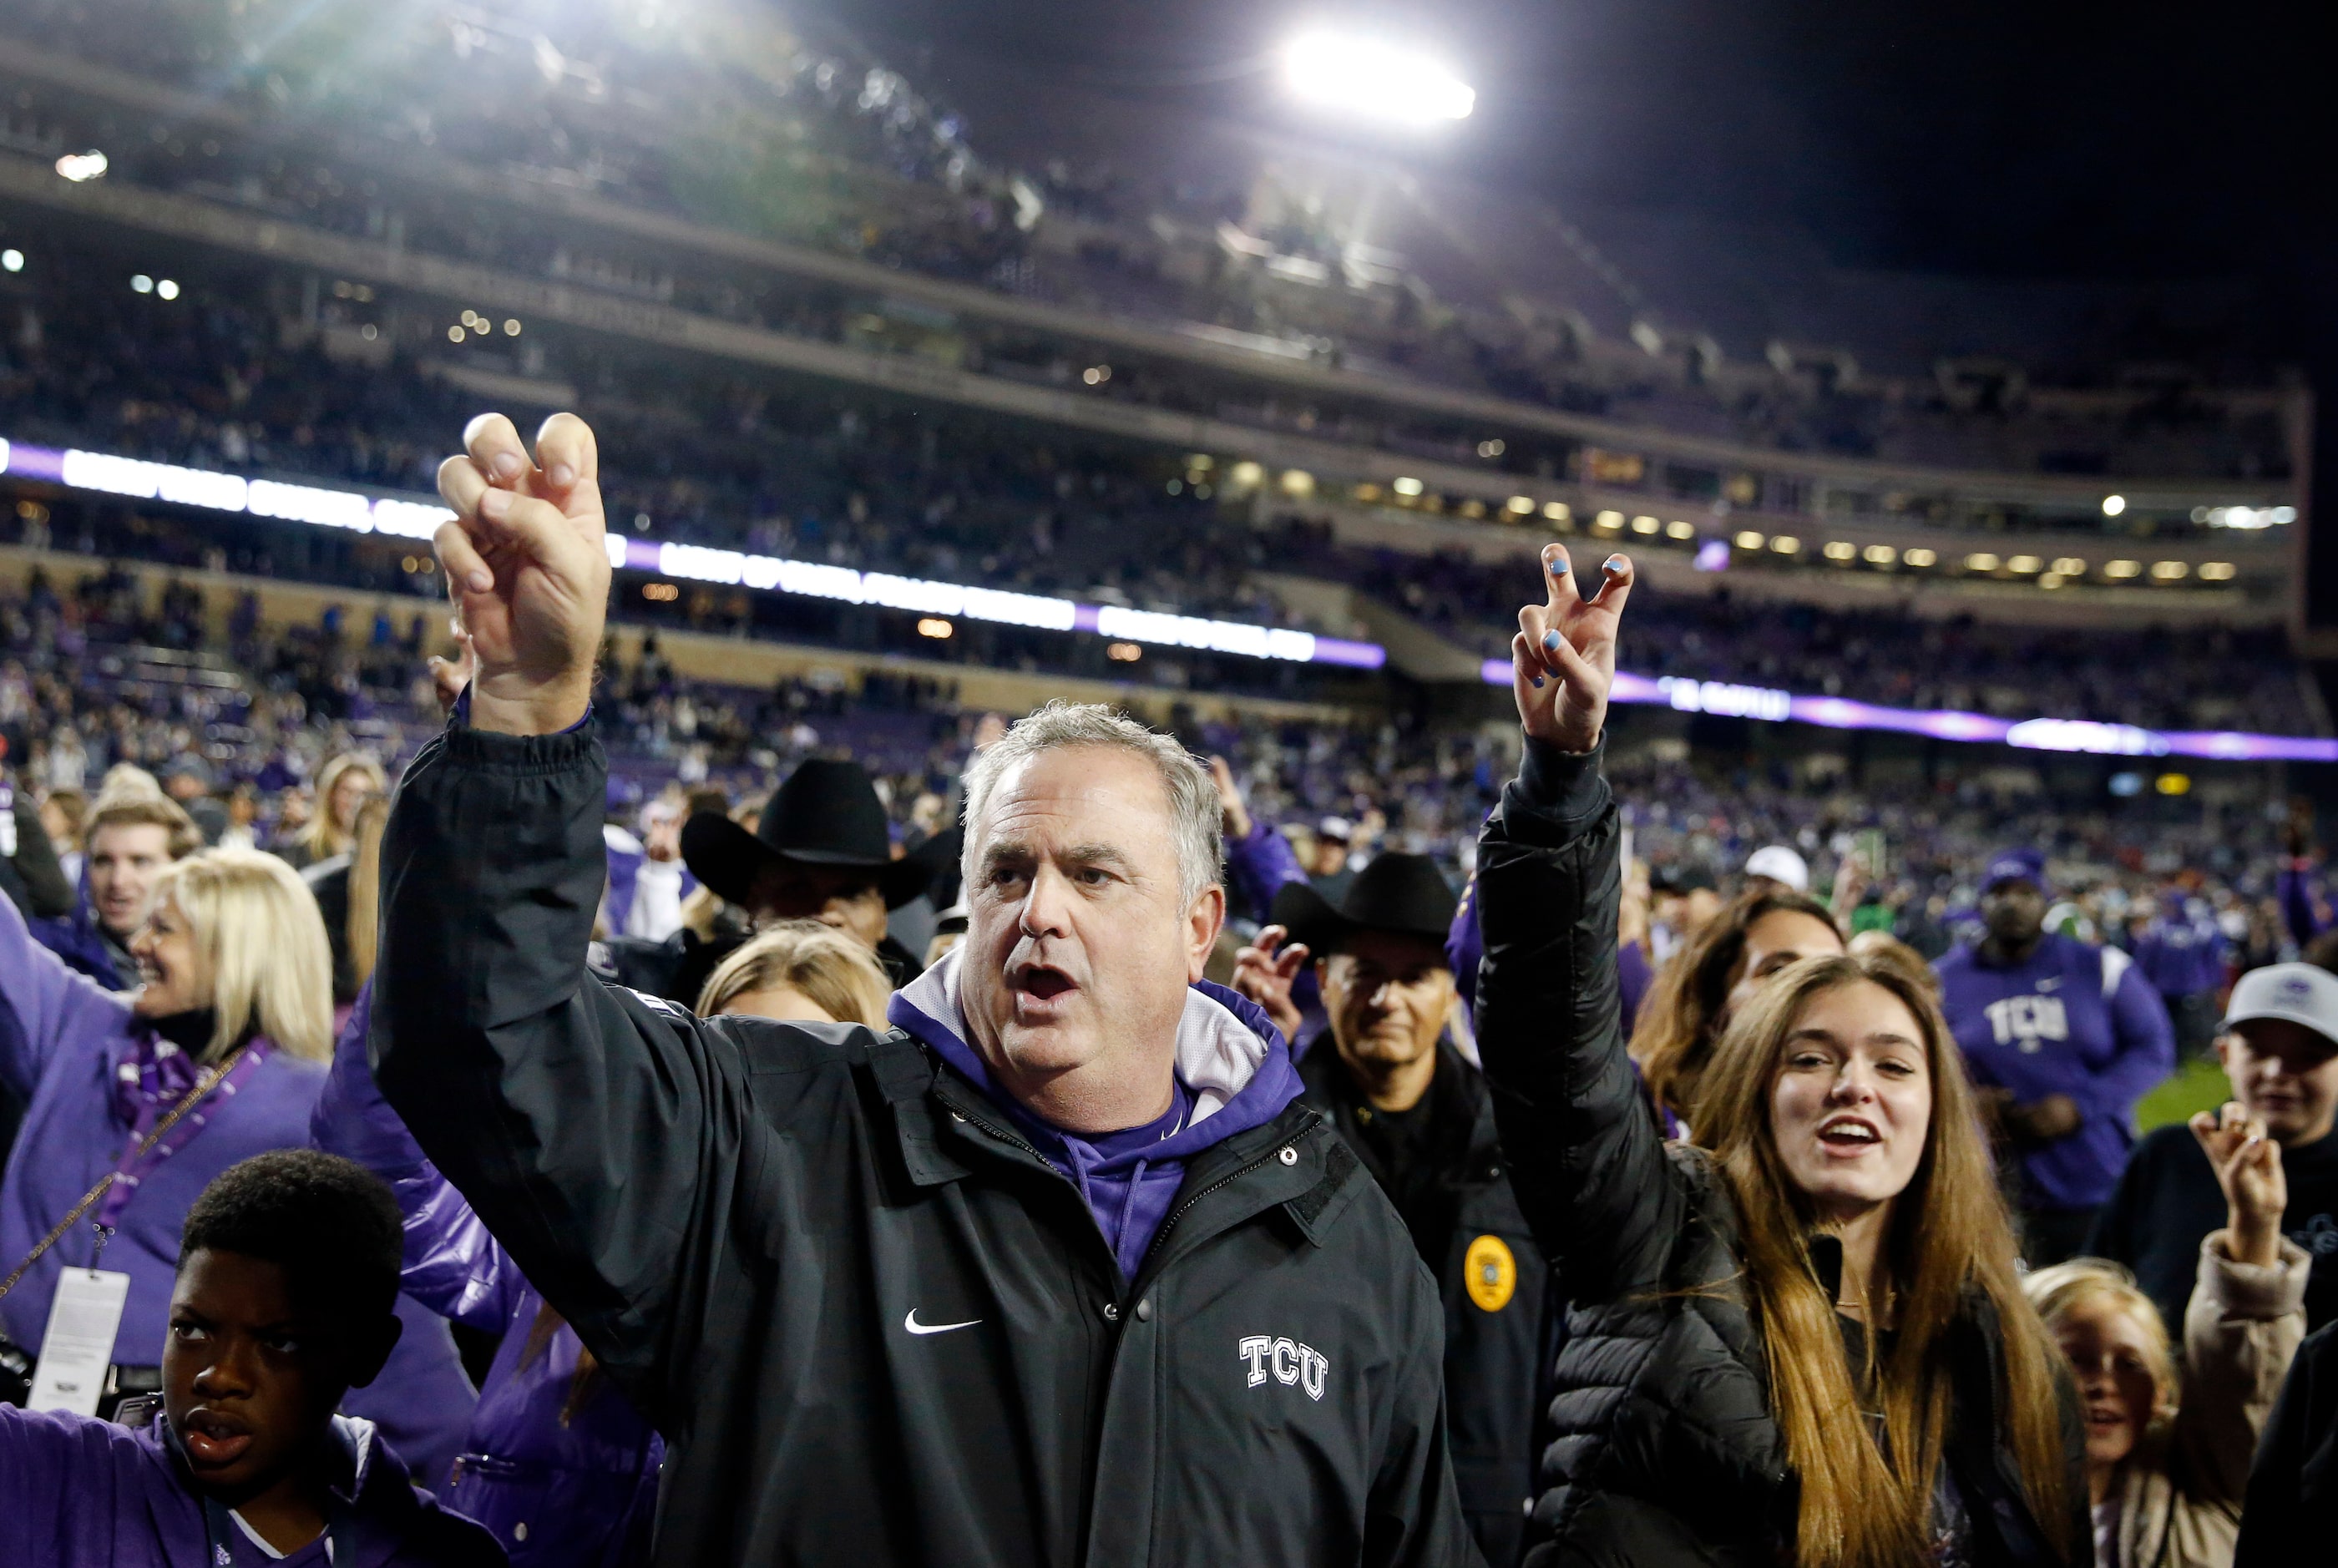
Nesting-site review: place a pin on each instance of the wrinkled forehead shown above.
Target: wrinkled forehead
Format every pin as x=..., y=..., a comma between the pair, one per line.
x=1077, y=796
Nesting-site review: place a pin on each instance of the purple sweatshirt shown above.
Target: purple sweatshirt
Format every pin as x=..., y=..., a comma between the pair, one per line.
x=558, y=1489
x=63, y=1043
x=1258, y=866
x=78, y=1493
x=2074, y=1020
x=2182, y=950
x=76, y=939
x=2304, y=902
x=1232, y=1073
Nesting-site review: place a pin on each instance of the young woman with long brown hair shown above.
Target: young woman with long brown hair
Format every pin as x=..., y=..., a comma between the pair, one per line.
x=1801, y=1340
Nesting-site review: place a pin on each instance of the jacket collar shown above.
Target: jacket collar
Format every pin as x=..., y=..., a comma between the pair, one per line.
x=1228, y=1056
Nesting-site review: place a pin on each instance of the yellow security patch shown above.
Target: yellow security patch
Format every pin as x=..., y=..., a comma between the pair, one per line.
x=1489, y=1273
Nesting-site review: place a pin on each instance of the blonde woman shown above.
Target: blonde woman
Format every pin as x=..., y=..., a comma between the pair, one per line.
x=2168, y=1443
x=135, y=1103
x=800, y=970
x=344, y=784
x=1803, y=1339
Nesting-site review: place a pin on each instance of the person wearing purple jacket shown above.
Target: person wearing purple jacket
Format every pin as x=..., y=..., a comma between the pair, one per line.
x=558, y=1465
x=2181, y=955
x=1259, y=860
x=2062, y=1039
x=283, y=1300
x=236, y=1012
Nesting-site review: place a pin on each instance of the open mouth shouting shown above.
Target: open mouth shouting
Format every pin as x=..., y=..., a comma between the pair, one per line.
x=1041, y=991
x=1848, y=1137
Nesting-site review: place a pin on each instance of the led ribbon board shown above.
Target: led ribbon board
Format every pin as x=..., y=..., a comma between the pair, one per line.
x=2080, y=735
x=324, y=506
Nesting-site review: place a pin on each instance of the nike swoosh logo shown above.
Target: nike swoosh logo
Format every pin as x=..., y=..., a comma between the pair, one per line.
x=913, y=1326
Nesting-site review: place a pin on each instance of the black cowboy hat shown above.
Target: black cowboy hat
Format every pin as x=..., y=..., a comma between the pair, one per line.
x=827, y=815
x=1404, y=894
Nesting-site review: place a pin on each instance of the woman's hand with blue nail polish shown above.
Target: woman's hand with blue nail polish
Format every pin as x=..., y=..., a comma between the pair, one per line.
x=1563, y=660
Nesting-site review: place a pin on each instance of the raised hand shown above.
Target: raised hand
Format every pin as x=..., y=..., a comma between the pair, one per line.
x=449, y=676
x=1265, y=976
x=528, y=569
x=1230, y=800
x=1563, y=660
x=2247, y=1164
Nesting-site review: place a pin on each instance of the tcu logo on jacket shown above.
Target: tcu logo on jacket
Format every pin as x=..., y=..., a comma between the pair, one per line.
x=1289, y=1360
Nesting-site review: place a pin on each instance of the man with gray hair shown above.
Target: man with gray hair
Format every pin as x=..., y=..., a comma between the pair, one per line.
x=1056, y=1271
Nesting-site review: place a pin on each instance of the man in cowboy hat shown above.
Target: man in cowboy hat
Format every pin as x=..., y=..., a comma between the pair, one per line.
x=1416, y=1112
x=821, y=851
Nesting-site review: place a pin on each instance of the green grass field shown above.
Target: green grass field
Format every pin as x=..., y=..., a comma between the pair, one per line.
x=2197, y=1086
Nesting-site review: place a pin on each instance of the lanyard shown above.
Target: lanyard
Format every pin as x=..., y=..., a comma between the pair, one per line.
x=175, y=1130
x=134, y=1161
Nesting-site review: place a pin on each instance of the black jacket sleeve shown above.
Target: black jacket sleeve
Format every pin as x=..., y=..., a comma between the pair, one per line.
x=1586, y=1158
x=594, y=1130
x=2286, y=1518
x=47, y=895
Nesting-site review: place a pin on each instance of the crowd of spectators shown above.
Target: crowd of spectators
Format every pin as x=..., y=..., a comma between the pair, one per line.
x=2200, y=678
x=730, y=119
x=210, y=381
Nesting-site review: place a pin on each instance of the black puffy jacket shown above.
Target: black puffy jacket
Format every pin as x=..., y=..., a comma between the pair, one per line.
x=1665, y=1450
x=874, y=1326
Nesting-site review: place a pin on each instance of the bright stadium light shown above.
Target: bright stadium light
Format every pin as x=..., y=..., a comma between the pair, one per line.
x=78, y=167
x=1363, y=77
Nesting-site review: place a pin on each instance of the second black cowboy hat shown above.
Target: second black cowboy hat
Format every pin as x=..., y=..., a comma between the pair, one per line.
x=1401, y=893
x=826, y=816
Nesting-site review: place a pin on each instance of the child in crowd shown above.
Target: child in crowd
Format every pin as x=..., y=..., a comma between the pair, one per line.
x=2170, y=1436
x=288, y=1277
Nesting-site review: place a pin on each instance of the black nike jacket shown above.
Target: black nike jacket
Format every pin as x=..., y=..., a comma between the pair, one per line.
x=872, y=1324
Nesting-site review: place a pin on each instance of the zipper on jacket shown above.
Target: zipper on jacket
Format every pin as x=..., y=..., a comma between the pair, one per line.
x=1186, y=1202
x=1016, y=1140
x=1005, y=1135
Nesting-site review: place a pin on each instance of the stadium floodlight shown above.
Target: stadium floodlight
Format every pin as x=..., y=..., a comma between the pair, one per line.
x=2114, y=504
x=12, y=260
x=80, y=166
x=1374, y=80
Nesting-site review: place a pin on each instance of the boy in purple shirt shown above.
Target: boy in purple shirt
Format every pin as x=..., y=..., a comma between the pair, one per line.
x=2063, y=1039
x=285, y=1297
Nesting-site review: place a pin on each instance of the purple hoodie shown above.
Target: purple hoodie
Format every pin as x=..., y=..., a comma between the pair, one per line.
x=76, y=939
x=65, y=1042
x=79, y=1493
x=2182, y=950
x=557, y=1487
x=2305, y=902
x=1232, y=1073
x=1258, y=866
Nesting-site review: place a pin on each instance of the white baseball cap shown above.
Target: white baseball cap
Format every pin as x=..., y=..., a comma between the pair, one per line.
x=1780, y=864
x=2301, y=993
